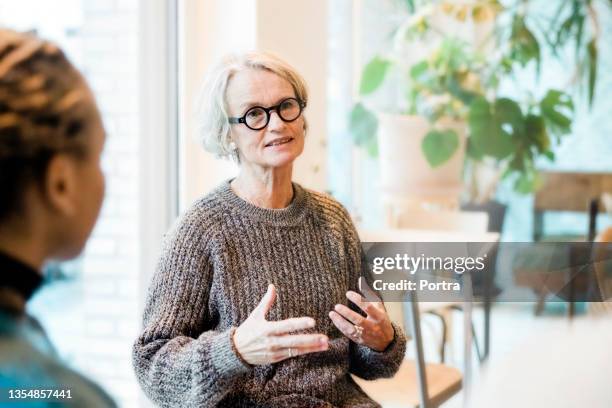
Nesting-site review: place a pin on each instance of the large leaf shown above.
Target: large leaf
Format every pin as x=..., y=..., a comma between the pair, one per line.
x=438, y=146
x=363, y=125
x=509, y=113
x=492, y=126
x=373, y=75
x=472, y=151
x=535, y=129
x=557, y=110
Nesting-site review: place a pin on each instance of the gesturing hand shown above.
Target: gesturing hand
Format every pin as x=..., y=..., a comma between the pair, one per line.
x=374, y=331
x=263, y=342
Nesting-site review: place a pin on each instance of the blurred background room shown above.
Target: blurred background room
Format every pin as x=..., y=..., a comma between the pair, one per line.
x=466, y=120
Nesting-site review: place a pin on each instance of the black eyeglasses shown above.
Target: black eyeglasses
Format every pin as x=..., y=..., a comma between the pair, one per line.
x=258, y=117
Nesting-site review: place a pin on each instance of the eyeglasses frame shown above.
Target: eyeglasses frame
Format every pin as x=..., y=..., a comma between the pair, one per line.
x=301, y=104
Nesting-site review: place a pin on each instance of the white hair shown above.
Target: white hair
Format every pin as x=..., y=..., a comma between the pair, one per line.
x=213, y=128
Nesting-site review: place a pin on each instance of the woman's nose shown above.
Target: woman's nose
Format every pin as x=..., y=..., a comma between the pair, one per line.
x=276, y=122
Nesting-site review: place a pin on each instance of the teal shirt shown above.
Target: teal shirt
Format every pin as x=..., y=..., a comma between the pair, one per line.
x=27, y=358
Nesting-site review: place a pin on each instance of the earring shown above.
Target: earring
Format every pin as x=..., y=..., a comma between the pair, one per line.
x=233, y=146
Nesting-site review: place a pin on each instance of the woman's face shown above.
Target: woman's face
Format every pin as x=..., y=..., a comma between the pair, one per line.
x=88, y=185
x=278, y=144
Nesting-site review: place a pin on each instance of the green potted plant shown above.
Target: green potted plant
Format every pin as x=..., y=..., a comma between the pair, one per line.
x=451, y=105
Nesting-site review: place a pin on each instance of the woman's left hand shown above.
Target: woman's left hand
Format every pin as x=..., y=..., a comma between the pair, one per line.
x=374, y=331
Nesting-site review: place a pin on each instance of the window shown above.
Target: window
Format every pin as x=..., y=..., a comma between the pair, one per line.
x=91, y=310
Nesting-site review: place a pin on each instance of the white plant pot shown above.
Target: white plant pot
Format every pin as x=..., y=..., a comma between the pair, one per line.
x=404, y=170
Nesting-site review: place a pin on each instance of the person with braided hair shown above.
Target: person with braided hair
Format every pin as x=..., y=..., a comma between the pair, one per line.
x=51, y=191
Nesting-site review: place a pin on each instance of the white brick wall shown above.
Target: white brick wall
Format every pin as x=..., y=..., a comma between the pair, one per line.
x=110, y=265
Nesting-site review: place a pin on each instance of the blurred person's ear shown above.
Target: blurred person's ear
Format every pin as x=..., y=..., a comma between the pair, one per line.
x=60, y=185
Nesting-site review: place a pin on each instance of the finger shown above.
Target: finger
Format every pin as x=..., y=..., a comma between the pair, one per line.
x=289, y=325
x=347, y=328
x=266, y=302
x=369, y=294
x=300, y=340
x=349, y=314
x=312, y=349
x=368, y=307
x=283, y=354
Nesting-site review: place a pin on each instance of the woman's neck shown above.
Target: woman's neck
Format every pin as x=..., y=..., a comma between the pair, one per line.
x=264, y=188
x=22, y=248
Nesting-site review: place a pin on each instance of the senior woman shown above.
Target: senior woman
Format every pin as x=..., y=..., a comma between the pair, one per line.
x=254, y=302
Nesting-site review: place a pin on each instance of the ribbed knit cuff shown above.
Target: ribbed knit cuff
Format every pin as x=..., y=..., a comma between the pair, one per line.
x=394, y=353
x=225, y=357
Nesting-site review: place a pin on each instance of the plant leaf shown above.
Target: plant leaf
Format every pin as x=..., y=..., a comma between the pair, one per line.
x=487, y=130
x=557, y=110
x=509, y=113
x=550, y=155
x=373, y=75
x=472, y=151
x=524, y=45
x=535, y=130
x=363, y=126
x=592, y=64
x=418, y=69
x=410, y=6
x=528, y=181
x=438, y=146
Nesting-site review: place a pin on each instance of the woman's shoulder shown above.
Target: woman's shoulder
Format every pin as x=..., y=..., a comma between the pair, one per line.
x=328, y=208
x=202, y=217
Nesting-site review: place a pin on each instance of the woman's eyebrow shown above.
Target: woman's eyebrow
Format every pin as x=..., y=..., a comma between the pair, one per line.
x=245, y=105
x=248, y=105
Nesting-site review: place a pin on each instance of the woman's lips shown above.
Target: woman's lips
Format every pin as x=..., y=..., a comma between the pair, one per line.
x=279, y=141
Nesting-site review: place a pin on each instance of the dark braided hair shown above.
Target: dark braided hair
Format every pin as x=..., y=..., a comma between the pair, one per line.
x=44, y=108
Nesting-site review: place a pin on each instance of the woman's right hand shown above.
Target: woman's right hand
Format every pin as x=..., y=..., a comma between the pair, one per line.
x=260, y=341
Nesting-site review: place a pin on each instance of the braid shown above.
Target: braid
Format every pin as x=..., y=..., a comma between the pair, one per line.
x=42, y=112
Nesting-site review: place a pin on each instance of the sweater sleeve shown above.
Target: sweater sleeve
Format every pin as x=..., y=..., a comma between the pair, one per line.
x=179, y=359
x=371, y=364
x=365, y=362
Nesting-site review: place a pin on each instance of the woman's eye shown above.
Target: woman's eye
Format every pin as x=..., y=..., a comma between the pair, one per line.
x=287, y=105
x=255, y=113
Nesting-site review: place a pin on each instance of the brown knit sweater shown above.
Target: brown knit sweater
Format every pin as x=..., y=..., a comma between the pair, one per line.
x=214, y=269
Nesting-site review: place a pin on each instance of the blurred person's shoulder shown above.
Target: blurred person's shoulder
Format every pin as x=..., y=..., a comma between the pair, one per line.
x=25, y=365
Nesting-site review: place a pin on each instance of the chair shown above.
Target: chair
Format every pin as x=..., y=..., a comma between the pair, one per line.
x=603, y=280
x=574, y=192
x=416, y=383
x=570, y=192
x=402, y=215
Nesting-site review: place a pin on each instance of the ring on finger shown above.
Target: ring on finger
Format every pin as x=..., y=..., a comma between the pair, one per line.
x=291, y=352
x=358, y=331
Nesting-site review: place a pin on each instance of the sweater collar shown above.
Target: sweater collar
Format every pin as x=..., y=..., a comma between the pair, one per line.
x=17, y=277
x=290, y=215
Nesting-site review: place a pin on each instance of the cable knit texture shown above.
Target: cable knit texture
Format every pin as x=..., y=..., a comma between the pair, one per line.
x=214, y=269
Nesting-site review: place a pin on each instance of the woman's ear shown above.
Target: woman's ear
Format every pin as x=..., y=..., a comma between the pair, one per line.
x=60, y=185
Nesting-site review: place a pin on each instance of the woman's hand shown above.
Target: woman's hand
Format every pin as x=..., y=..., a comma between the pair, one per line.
x=264, y=342
x=374, y=331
